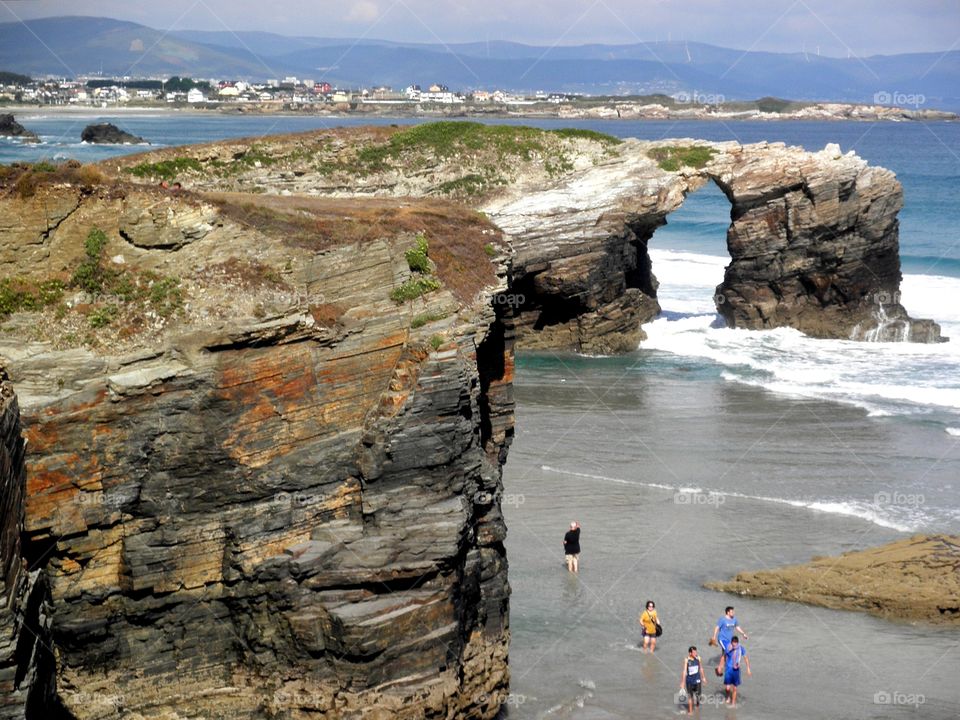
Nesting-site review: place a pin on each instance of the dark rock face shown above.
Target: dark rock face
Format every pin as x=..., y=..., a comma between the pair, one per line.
x=814, y=245
x=276, y=517
x=109, y=134
x=813, y=241
x=9, y=127
x=26, y=657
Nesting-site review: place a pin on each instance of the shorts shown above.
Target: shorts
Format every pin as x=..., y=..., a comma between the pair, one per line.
x=724, y=646
x=644, y=633
x=731, y=676
x=693, y=691
x=572, y=555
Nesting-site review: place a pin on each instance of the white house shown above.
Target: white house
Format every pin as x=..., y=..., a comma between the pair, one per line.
x=195, y=95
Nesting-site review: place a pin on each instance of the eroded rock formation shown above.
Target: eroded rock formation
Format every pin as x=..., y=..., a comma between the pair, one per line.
x=813, y=240
x=283, y=499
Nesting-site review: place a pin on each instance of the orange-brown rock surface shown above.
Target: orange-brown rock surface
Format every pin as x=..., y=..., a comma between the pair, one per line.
x=278, y=499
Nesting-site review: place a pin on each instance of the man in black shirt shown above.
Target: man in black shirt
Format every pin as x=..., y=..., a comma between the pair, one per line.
x=571, y=547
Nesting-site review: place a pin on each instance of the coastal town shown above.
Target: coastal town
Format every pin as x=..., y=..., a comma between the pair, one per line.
x=304, y=95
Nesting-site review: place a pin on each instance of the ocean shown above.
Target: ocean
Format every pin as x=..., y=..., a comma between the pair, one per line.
x=709, y=451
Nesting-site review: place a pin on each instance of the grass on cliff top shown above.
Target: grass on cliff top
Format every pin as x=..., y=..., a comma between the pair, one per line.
x=102, y=294
x=457, y=235
x=672, y=158
x=449, y=138
x=24, y=179
x=166, y=169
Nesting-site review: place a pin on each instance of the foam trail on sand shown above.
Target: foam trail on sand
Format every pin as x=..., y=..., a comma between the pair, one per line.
x=862, y=510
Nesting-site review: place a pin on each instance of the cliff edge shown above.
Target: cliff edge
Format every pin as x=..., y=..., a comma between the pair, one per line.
x=813, y=238
x=264, y=449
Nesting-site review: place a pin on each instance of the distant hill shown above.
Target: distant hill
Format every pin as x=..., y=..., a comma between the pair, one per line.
x=87, y=45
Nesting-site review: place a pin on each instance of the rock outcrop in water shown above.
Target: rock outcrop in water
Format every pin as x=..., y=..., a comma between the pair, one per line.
x=913, y=579
x=274, y=492
x=813, y=240
x=9, y=127
x=109, y=134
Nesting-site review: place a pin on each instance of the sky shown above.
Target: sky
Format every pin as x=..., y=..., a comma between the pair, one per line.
x=837, y=27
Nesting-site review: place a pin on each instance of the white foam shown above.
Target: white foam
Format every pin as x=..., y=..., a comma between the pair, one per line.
x=861, y=510
x=882, y=378
x=953, y=431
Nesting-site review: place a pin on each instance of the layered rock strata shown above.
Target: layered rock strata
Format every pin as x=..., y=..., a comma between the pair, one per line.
x=286, y=501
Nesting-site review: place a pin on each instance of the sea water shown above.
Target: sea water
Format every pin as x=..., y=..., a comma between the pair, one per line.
x=710, y=451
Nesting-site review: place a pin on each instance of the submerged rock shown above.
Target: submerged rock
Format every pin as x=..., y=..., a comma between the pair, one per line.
x=9, y=127
x=109, y=134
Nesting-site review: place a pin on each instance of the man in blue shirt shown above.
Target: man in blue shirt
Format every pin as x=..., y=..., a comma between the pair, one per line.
x=734, y=658
x=723, y=633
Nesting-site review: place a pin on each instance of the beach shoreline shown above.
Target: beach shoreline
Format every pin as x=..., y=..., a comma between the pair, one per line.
x=816, y=112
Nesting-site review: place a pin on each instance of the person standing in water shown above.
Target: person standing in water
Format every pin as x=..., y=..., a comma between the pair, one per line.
x=571, y=547
x=734, y=657
x=723, y=633
x=693, y=678
x=649, y=622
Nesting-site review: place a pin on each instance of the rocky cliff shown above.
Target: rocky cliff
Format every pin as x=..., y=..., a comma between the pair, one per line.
x=264, y=449
x=813, y=239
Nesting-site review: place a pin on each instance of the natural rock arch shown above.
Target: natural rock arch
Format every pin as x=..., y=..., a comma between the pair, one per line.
x=813, y=241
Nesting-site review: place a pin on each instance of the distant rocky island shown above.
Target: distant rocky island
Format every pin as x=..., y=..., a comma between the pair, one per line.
x=109, y=134
x=252, y=431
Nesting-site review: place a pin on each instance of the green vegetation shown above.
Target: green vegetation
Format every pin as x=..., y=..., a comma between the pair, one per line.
x=103, y=316
x=425, y=318
x=436, y=341
x=417, y=258
x=773, y=105
x=422, y=281
x=490, y=250
x=468, y=185
x=414, y=288
x=110, y=292
x=20, y=295
x=12, y=78
x=672, y=158
x=166, y=169
x=90, y=275
x=581, y=134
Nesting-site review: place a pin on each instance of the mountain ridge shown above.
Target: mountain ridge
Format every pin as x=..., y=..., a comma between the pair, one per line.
x=80, y=45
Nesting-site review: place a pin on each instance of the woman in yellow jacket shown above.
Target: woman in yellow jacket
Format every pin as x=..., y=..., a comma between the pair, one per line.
x=649, y=622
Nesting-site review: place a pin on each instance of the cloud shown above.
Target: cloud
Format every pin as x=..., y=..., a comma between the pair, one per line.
x=363, y=12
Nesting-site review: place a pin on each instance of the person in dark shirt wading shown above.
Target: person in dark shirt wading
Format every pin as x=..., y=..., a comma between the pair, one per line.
x=693, y=678
x=571, y=547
